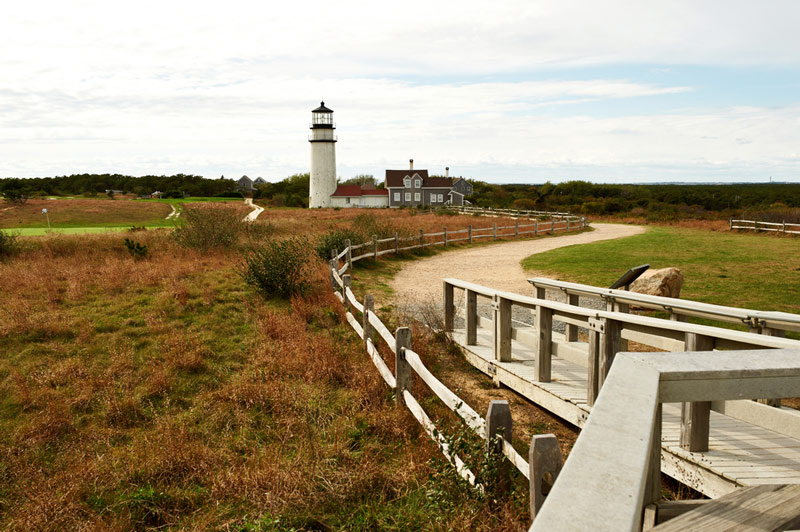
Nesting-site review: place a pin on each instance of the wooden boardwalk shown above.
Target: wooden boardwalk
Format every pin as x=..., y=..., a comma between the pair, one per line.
x=740, y=454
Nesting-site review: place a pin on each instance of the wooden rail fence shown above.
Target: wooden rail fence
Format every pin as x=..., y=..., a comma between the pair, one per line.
x=376, y=247
x=497, y=426
x=755, y=225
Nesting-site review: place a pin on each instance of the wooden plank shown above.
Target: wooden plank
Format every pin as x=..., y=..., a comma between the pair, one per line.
x=503, y=331
x=695, y=416
x=606, y=468
x=767, y=508
x=453, y=402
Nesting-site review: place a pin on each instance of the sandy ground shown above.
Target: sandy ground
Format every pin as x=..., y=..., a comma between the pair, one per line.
x=497, y=266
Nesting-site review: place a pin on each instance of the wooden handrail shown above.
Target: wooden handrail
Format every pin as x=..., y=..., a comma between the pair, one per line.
x=753, y=318
x=614, y=471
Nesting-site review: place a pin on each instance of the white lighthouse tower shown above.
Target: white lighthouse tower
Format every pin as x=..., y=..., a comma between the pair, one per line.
x=323, y=157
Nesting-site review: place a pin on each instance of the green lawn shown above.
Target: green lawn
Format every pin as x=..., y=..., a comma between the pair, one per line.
x=740, y=270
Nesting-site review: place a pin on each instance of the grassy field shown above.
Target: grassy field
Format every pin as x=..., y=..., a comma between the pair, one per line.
x=89, y=215
x=741, y=270
x=164, y=394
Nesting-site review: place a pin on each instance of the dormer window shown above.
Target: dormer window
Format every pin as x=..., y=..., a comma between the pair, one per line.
x=417, y=183
x=407, y=182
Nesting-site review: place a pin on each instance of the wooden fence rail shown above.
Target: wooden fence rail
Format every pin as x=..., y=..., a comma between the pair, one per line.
x=613, y=475
x=496, y=428
x=758, y=321
x=755, y=225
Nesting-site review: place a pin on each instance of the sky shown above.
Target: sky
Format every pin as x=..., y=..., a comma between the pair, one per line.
x=504, y=91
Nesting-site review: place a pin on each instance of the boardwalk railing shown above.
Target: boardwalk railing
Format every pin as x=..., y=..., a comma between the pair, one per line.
x=755, y=225
x=607, y=330
x=613, y=471
x=757, y=321
x=376, y=247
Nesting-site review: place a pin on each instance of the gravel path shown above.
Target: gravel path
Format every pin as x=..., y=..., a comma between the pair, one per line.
x=419, y=283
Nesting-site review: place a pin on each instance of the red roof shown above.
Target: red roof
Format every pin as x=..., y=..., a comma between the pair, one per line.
x=358, y=190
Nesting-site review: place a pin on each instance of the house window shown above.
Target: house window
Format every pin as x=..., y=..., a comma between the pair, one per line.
x=416, y=196
x=397, y=197
x=407, y=182
x=441, y=198
x=408, y=196
x=347, y=200
x=417, y=183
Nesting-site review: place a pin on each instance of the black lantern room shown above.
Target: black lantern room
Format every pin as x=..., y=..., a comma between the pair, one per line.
x=322, y=117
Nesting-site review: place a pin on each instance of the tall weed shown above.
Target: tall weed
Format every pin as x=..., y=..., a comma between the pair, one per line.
x=209, y=226
x=279, y=269
x=9, y=245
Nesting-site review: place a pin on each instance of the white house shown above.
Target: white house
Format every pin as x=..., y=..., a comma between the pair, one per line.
x=359, y=196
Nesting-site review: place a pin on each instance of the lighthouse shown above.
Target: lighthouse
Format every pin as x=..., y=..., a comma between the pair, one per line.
x=323, y=157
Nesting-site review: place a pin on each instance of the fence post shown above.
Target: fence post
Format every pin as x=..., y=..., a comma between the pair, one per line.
x=335, y=252
x=345, y=285
x=369, y=305
x=730, y=223
x=783, y=227
x=544, y=465
x=552, y=226
x=374, y=247
x=536, y=227
x=567, y=229
x=396, y=243
x=652, y=490
x=421, y=239
x=695, y=415
x=402, y=370
x=544, y=343
x=502, y=325
x=572, y=330
x=333, y=279
x=471, y=317
x=469, y=233
x=499, y=427
x=349, y=256
x=449, y=309
x=516, y=228
x=609, y=347
x=444, y=229
x=494, y=231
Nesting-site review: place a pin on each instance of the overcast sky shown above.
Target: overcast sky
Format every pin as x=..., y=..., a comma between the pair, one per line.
x=612, y=91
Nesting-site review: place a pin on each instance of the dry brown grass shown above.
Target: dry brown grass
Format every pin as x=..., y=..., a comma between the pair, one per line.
x=162, y=394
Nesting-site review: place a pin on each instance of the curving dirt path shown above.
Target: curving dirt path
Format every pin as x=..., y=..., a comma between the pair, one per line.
x=497, y=266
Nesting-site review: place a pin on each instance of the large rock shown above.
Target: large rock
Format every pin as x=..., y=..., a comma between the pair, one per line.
x=665, y=282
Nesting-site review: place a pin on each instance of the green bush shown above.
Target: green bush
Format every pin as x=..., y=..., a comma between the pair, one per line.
x=367, y=224
x=137, y=250
x=9, y=245
x=279, y=269
x=209, y=226
x=335, y=239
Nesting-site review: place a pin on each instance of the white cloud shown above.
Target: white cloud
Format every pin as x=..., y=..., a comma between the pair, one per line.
x=227, y=88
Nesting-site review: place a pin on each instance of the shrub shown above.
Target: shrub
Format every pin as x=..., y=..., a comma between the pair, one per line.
x=335, y=239
x=209, y=226
x=280, y=269
x=136, y=249
x=9, y=245
x=367, y=224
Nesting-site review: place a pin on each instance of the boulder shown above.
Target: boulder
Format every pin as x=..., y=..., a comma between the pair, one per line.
x=665, y=282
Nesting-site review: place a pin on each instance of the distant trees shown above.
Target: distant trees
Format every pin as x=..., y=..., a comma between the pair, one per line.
x=360, y=179
x=289, y=192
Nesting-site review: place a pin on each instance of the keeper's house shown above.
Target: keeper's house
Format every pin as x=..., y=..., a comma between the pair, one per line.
x=359, y=196
x=414, y=188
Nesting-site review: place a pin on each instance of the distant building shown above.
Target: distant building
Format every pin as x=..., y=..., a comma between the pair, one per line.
x=414, y=188
x=259, y=181
x=244, y=184
x=359, y=196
